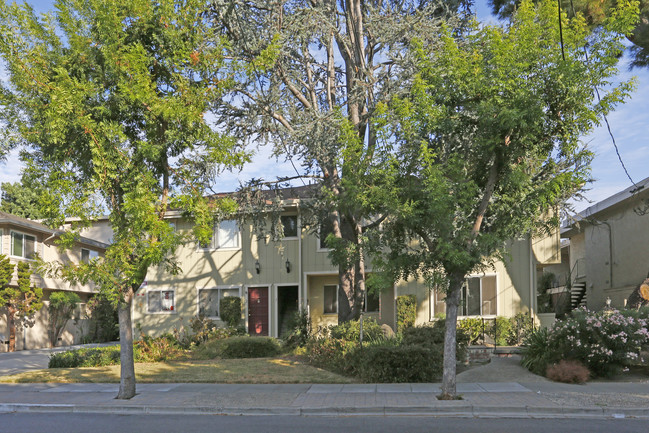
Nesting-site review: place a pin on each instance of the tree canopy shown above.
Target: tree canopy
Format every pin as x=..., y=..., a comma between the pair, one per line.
x=109, y=100
x=487, y=145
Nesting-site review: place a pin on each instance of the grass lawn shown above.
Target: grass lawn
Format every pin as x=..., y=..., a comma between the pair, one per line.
x=254, y=370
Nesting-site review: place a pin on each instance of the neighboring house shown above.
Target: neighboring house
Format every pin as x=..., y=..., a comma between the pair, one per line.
x=20, y=240
x=275, y=279
x=609, y=248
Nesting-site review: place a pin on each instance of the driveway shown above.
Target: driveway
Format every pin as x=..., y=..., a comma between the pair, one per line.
x=24, y=360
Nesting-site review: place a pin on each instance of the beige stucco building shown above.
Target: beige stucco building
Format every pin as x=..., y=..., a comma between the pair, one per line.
x=609, y=246
x=20, y=239
x=274, y=279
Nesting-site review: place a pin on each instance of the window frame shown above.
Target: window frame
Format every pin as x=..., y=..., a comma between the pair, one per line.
x=90, y=255
x=297, y=226
x=220, y=289
x=11, y=244
x=213, y=245
x=172, y=310
x=2, y=238
x=462, y=306
x=378, y=297
x=321, y=248
x=324, y=304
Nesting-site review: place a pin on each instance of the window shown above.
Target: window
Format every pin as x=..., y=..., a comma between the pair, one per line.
x=325, y=229
x=479, y=296
x=289, y=224
x=161, y=301
x=330, y=299
x=23, y=245
x=209, y=300
x=437, y=299
x=1, y=239
x=87, y=255
x=225, y=235
x=372, y=302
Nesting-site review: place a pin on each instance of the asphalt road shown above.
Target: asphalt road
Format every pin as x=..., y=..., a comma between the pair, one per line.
x=95, y=423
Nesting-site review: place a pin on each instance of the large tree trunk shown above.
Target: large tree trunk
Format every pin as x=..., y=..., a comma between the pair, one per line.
x=450, y=338
x=11, y=314
x=127, y=371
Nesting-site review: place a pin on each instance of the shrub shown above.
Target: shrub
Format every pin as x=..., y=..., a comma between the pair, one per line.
x=300, y=329
x=500, y=330
x=150, y=349
x=406, y=311
x=201, y=328
x=103, y=323
x=248, y=347
x=92, y=357
x=473, y=327
x=432, y=337
x=331, y=353
x=535, y=353
x=603, y=341
x=350, y=331
x=568, y=372
x=230, y=310
x=523, y=324
x=404, y=363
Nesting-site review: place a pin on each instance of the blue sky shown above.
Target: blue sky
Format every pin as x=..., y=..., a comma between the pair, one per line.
x=629, y=124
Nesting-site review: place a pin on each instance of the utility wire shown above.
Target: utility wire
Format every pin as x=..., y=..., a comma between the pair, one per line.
x=599, y=99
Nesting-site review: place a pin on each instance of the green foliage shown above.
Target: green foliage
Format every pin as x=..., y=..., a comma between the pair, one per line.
x=350, y=331
x=603, y=341
x=60, y=309
x=403, y=363
x=211, y=348
x=21, y=198
x=432, y=337
x=103, y=323
x=300, y=329
x=474, y=327
x=247, y=347
x=163, y=348
x=331, y=354
x=406, y=311
x=95, y=357
x=230, y=310
x=202, y=327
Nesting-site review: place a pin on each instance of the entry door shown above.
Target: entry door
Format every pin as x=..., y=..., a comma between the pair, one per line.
x=258, y=311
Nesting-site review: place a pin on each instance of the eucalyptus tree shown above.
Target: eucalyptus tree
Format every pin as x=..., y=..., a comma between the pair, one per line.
x=316, y=71
x=488, y=145
x=595, y=13
x=108, y=99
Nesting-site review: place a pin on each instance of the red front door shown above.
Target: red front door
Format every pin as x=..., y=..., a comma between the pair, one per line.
x=258, y=310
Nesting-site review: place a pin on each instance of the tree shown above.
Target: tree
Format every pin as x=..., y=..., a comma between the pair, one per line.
x=488, y=146
x=108, y=99
x=62, y=305
x=596, y=13
x=21, y=198
x=326, y=65
x=21, y=301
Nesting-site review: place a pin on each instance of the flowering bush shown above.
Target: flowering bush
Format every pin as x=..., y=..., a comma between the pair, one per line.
x=604, y=341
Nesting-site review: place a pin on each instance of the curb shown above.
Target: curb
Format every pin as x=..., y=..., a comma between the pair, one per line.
x=463, y=411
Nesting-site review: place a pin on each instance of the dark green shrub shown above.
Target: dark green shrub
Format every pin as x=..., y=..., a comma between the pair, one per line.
x=405, y=363
x=94, y=357
x=300, y=329
x=535, y=353
x=331, y=353
x=103, y=323
x=406, y=311
x=350, y=331
x=230, y=310
x=432, y=336
x=248, y=347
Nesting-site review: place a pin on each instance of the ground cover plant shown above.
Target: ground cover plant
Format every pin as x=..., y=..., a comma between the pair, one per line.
x=605, y=342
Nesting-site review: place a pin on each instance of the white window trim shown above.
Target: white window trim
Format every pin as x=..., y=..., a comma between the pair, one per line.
x=198, y=299
x=319, y=249
x=337, y=299
x=431, y=299
x=11, y=244
x=161, y=312
x=297, y=227
x=211, y=247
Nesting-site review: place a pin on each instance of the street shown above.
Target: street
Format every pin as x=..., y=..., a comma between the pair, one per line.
x=108, y=423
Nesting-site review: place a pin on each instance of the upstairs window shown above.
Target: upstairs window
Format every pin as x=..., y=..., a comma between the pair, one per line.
x=326, y=227
x=23, y=245
x=88, y=255
x=289, y=225
x=226, y=235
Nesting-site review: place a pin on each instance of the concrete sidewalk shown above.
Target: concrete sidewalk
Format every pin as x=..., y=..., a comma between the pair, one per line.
x=489, y=399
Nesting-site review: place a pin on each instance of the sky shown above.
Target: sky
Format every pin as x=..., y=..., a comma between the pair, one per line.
x=629, y=125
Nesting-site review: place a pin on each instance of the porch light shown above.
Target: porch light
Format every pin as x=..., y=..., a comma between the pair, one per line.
x=257, y=266
x=288, y=267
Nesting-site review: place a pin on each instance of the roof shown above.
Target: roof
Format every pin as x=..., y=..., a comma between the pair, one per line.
x=640, y=188
x=16, y=221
